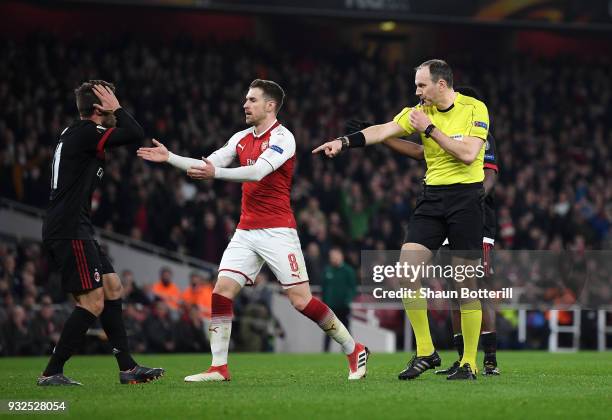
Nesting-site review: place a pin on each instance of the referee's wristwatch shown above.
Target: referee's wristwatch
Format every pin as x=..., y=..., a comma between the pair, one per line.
x=428, y=130
x=345, y=142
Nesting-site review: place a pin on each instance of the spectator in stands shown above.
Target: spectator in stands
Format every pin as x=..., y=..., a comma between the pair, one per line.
x=254, y=328
x=257, y=325
x=159, y=329
x=8, y=276
x=199, y=293
x=46, y=326
x=339, y=287
x=166, y=290
x=552, y=191
x=314, y=262
x=260, y=293
x=132, y=293
x=28, y=303
x=134, y=317
x=8, y=302
x=190, y=331
x=208, y=238
x=19, y=338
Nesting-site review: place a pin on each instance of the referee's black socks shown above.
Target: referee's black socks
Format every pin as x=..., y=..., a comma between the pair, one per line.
x=112, y=323
x=488, y=341
x=458, y=343
x=73, y=333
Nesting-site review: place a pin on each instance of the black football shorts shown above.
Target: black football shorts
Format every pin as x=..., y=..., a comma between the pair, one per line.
x=449, y=211
x=81, y=262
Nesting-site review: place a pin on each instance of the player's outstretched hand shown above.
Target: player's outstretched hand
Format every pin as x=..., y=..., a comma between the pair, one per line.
x=159, y=153
x=331, y=148
x=207, y=171
x=109, y=102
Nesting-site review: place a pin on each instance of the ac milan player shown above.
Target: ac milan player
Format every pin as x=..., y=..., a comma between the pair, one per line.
x=267, y=229
x=77, y=168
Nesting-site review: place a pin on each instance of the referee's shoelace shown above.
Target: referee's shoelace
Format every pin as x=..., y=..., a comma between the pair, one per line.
x=418, y=364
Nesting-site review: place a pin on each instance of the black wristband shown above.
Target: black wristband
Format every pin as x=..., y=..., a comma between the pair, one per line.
x=428, y=130
x=356, y=139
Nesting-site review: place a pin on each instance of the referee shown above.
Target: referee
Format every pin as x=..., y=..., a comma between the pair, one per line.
x=488, y=334
x=453, y=129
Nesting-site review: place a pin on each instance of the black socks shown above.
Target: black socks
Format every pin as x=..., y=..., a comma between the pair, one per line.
x=112, y=322
x=72, y=336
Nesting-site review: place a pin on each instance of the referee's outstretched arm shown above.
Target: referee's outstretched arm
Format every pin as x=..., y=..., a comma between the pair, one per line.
x=368, y=136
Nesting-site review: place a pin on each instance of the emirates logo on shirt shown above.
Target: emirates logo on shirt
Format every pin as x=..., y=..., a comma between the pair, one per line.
x=264, y=145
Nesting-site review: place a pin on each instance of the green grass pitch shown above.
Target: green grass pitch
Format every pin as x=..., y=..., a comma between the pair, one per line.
x=535, y=385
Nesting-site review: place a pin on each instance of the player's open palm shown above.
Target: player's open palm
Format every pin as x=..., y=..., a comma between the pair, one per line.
x=159, y=153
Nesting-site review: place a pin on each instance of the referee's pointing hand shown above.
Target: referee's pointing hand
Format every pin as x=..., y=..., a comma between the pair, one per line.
x=331, y=148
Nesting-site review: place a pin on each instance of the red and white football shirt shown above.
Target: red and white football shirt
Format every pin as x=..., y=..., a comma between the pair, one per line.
x=265, y=203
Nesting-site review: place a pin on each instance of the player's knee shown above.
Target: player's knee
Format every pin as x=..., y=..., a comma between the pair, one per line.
x=221, y=289
x=93, y=301
x=95, y=306
x=226, y=287
x=299, y=302
x=115, y=291
x=411, y=246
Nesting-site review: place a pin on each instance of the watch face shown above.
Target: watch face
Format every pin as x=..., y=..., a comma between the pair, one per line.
x=429, y=129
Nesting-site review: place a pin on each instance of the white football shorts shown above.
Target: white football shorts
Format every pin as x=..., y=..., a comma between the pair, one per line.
x=278, y=247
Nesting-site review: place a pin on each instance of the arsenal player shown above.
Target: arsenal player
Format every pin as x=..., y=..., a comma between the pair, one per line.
x=266, y=232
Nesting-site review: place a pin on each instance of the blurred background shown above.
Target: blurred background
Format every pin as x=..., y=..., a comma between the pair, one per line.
x=182, y=69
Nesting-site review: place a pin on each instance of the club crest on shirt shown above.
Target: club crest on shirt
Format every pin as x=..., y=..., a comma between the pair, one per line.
x=96, y=275
x=264, y=145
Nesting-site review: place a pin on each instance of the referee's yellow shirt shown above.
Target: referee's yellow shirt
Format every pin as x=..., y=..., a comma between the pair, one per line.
x=466, y=117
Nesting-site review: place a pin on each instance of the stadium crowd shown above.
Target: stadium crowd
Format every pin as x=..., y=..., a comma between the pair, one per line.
x=548, y=116
x=159, y=316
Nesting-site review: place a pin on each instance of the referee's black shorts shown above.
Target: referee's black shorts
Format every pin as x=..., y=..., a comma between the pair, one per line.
x=81, y=262
x=449, y=211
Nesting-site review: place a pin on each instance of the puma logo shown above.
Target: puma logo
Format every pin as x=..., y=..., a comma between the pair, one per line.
x=333, y=327
x=213, y=329
x=241, y=146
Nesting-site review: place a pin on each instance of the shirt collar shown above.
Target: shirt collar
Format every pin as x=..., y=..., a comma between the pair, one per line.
x=274, y=124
